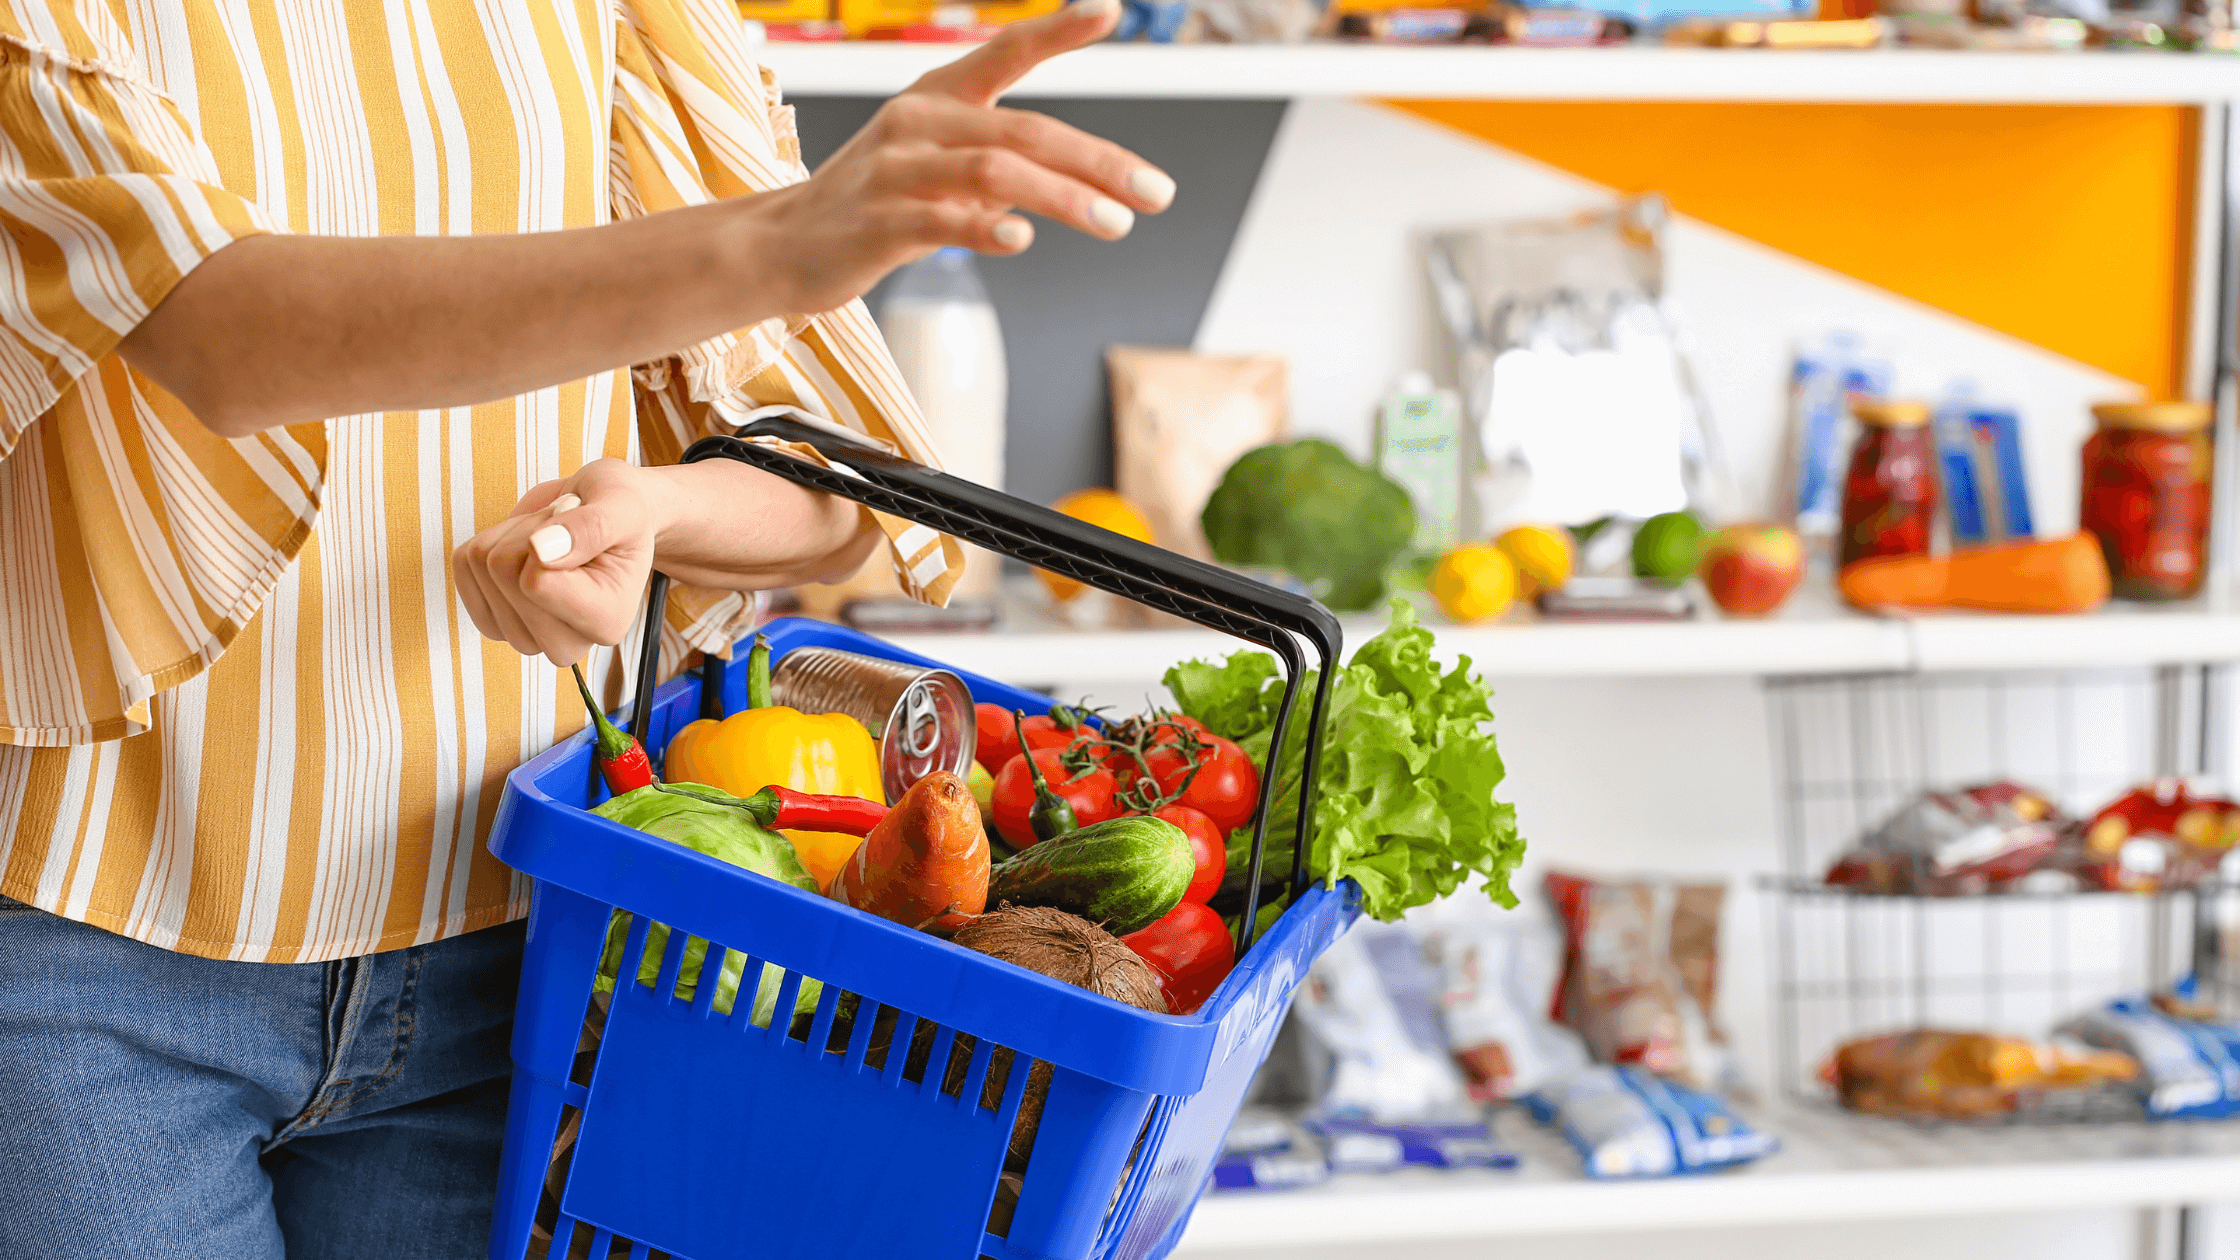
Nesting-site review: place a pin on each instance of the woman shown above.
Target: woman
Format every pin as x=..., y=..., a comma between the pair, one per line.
x=316, y=360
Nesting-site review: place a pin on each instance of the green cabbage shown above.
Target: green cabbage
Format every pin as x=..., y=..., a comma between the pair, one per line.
x=1307, y=509
x=1404, y=800
x=720, y=831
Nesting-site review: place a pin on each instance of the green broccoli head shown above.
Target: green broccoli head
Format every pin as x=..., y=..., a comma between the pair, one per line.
x=1306, y=508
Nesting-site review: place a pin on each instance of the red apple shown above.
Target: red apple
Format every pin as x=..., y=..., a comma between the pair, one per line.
x=1750, y=569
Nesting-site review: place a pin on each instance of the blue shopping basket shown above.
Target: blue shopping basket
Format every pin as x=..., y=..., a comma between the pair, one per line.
x=701, y=1136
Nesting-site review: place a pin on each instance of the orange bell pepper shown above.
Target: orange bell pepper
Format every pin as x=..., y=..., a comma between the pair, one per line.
x=764, y=745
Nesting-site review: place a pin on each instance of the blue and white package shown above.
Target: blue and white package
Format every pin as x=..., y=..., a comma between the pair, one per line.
x=1979, y=453
x=1266, y=1150
x=1625, y=1122
x=1456, y=1145
x=2188, y=1069
x=1828, y=377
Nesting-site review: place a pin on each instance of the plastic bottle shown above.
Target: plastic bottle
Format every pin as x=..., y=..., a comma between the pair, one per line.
x=943, y=332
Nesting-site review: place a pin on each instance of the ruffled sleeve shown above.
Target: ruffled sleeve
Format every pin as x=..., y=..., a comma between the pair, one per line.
x=697, y=119
x=138, y=543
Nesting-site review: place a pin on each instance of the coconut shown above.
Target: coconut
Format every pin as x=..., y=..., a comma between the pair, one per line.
x=1064, y=947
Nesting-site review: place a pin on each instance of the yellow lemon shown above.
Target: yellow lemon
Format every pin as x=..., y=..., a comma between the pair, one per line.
x=1474, y=581
x=1106, y=510
x=1542, y=556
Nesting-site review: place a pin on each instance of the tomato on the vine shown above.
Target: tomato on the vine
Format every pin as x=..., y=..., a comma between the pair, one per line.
x=1226, y=787
x=1190, y=950
x=1088, y=793
x=997, y=739
x=1209, y=851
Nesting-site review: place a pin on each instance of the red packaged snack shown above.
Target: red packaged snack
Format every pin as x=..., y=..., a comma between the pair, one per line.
x=1946, y=843
x=2160, y=835
x=1640, y=975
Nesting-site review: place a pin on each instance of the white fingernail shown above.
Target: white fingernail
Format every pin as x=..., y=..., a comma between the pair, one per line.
x=566, y=503
x=552, y=542
x=1156, y=187
x=1110, y=215
x=1014, y=234
x=1095, y=8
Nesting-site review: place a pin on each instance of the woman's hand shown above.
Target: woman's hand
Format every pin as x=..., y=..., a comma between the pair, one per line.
x=568, y=568
x=939, y=164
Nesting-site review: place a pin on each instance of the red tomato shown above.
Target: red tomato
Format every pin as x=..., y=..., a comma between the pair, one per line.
x=1208, y=848
x=998, y=740
x=1226, y=788
x=1190, y=949
x=1089, y=793
x=1169, y=729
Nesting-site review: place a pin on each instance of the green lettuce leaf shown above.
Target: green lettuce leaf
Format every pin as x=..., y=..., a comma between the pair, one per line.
x=1405, y=788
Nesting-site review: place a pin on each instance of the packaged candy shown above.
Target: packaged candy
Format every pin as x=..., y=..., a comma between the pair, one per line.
x=2187, y=1068
x=1452, y=1145
x=1943, y=843
x=1640, y=975
x=2161, y=835
x=1933, y=1074
x=1501, y=973
x=1624, y=1122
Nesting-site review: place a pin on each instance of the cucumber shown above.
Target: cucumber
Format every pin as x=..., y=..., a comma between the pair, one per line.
x=1124, y=874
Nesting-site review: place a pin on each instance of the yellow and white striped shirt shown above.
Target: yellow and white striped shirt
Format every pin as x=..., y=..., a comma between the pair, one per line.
x=249, y=718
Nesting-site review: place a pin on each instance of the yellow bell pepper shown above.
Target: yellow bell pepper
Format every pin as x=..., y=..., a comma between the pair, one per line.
x=830, y=754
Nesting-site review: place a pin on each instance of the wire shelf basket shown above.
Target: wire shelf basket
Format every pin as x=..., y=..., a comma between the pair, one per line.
x=1852, y=750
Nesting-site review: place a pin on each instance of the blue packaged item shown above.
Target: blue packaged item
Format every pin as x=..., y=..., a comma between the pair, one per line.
x=1827, y=378
x=1986, y=492
x=2188, y=1069
x=1653, y=13
x=1460, y=1144
x=1266, y=1150
x=1626, y=1122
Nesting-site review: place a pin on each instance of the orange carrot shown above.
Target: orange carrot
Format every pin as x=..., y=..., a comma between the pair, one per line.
x=2067, y=575
x=926, y=863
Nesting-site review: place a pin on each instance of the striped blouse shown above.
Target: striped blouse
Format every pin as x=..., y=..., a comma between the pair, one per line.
x=246, y=715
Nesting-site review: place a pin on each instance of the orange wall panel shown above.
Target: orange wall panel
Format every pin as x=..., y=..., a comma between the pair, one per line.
x=2066, y=226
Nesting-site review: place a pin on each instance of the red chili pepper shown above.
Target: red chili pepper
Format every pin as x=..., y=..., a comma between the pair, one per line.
x=622, y=760
x=784, y=809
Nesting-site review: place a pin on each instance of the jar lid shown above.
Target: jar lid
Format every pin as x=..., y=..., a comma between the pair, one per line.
x=1892, y=415
x=2166, y=417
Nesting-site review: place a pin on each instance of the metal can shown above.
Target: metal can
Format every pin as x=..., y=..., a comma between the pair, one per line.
x=923, y=717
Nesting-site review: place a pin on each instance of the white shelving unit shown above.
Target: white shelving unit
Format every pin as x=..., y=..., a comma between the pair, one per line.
x=1243, y=71
x=1832, y=1167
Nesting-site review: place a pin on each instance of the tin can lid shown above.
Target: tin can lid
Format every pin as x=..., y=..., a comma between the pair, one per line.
x=2174, y=416
x=1892, y=415
x=932, y=727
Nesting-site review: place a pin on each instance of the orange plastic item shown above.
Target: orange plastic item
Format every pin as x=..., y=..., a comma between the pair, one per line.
x=2067, y=575
x=785, y=11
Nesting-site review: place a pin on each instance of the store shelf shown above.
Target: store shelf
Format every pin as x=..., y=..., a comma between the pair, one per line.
x=1832, y=1167
x=1810, y=638
x=1611, y=74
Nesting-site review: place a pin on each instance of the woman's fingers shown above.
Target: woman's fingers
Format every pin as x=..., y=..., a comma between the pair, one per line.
x=987, y=72
x=1004, y=178
x=1065, y=150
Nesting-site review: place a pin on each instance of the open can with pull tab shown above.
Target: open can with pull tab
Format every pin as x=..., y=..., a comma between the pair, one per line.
x=923, y=717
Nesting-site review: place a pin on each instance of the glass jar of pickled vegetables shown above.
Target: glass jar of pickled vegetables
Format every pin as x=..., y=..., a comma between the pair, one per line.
x=1890, y=492
x=2146, y=496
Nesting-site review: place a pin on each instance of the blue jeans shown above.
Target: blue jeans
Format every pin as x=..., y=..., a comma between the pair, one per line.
x=157, y=1105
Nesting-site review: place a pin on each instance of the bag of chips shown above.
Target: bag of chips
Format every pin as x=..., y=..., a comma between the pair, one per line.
x=1640, y=975
x=1625, y=1122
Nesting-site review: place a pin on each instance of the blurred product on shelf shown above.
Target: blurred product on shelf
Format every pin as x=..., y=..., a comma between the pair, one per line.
x=1475, y=582
x=1834, y=372
x=1251, y=21
x=1890, y=488
x=933, y=21
x=2189, y=1060
x=1583, y=405
x=1640, y=975
x=1178, y=419
x=1305, y=509
x=1927, y=1074
x=1398, y=25
x=1979, y=449
x=2065, y=575
x=2159, y=836
x=1371, y=1004
x=1420, y=445
x=1626, y=1122
x=946, y=341
x=1750, y=569
x=1501, y=973
x=1851, y=33
x=1536, y=27
x=1156, y=21
x=1975, y=839
x=1268, y=1150
x=1104, y=509
x=1544, y=557
x=2146, y=496
x=1667, y=548
x=1616, y=599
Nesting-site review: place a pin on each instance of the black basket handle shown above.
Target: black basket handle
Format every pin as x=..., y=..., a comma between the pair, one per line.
x=1190, y=589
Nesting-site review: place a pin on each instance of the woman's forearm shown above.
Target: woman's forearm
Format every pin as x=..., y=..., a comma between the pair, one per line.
x=276, y=330
x=724, y=525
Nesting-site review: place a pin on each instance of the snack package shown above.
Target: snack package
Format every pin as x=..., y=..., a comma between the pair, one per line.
x=1266, y=1150
x=1179, y=419
x=1946, y=843
x=1625, y=1122
x=1933, y=1074
x=2161, y=835
x=1830, y=374
x=1501, y=973
x=1640, y=975
x=1458, y=1144
x=1386, y=1063
x=2188, y=1067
